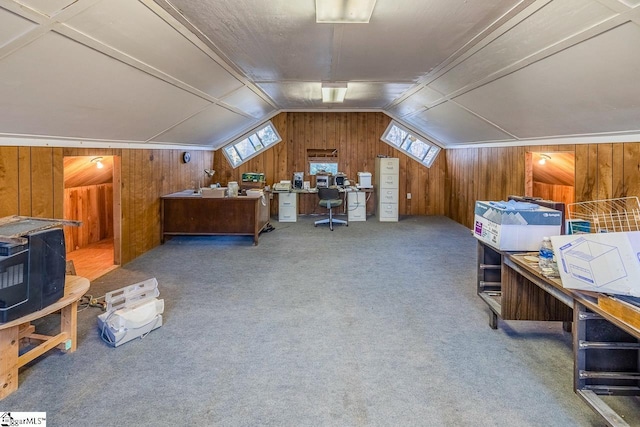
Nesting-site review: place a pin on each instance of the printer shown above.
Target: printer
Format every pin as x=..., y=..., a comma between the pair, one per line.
x=364, y=180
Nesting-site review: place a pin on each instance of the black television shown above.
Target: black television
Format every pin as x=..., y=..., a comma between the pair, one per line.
x=31, y=275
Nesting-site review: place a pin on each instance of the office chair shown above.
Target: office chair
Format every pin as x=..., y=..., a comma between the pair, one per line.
x=330, y=198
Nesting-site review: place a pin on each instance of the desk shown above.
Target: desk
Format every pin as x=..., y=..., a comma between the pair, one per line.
x=186, y=213
x=606, y=332
x=299, y=201
x=11, y=333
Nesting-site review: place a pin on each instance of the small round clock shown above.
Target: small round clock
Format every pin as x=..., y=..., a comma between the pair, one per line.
x=186, y=157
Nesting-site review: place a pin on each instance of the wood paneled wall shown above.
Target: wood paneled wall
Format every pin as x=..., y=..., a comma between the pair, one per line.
x=603, y=171
x=356, y=136
x=31, y=184
x=31, y=178
x=93, y=205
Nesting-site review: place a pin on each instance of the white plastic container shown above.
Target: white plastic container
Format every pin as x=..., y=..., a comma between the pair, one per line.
x=232, y=189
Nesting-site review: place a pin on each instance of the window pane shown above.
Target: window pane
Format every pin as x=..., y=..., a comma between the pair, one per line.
x=396, y=135
x=233, y=155
x=245, y=148
x=256, y=142
x=408, y=142
x=431, y=155
x=240, y=151
x=315, y=167
x=418, y=148
x=267, y=135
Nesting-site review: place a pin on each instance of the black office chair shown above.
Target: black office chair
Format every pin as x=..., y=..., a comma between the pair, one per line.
x=330, y=198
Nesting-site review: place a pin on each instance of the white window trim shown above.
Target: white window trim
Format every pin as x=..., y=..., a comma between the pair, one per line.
x=254, y=131
x=432, y=146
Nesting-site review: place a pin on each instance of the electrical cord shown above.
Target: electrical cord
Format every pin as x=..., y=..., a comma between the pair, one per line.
x=88, y=300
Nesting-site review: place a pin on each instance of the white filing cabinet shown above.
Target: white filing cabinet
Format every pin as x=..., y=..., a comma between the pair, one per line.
x=356, y=206
x=287, y=207
x=387, y=178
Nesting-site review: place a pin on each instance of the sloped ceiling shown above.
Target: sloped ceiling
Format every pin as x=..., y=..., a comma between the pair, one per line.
x=203, y=72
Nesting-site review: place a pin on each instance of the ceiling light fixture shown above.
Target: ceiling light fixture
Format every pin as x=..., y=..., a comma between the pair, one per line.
x=344, y=11
x=98, y=162
x=334, y=92
x=544, y=158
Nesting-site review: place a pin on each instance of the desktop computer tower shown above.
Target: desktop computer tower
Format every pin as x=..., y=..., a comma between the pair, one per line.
x=32, y=276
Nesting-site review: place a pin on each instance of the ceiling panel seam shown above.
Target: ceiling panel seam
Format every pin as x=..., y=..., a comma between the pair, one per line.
x=338, y=34
x=189, y=117
x=484, y=119
x=614, y=5
x=168, y=13
x=566, y=43
x=43, y=22
x=494, y=31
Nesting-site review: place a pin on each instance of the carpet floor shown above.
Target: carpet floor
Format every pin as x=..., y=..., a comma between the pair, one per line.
x=374, y=324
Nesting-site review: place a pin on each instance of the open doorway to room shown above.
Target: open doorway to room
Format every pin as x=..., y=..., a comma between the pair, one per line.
x=551, y=175
x=90, y=196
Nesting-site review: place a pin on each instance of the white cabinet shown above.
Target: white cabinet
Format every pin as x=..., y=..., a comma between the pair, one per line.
x=287, y=207
x=387, y=179
x=356, y=206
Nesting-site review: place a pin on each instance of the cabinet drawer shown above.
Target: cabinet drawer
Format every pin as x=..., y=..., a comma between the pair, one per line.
x=388, y=180
x=389, y=165
x=357, y=214
x=355, y=199
x=388, y=195
x=287, y=214
x=388, y=211
x=287, y=200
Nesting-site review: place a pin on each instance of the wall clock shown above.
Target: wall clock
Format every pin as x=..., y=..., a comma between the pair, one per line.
x=186, y=157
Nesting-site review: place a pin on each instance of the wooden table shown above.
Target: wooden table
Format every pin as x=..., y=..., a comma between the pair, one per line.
x=605, y=330
x=186, y=213
x=12, y=333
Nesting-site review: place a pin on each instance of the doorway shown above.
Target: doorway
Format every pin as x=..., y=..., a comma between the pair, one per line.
x=91, y=196
x=551, y=175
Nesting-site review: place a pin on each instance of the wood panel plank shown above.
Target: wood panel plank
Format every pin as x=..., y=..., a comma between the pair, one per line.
x=58, y=182
x=632, y=169
x=9, y=181
x=604, y=176
x=24, y=180
x=617, y=171
x=42, y=181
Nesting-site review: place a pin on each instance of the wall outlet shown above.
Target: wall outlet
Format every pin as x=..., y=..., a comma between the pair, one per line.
x=408, y=195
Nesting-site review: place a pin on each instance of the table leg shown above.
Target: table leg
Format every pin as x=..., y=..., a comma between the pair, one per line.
x=493, y=320
x=69, y=324
x=9, y=348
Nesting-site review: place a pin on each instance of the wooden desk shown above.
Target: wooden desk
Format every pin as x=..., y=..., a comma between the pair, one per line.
x=186, y=213
x=307, y=200
x=11, y=333
x=606, y=331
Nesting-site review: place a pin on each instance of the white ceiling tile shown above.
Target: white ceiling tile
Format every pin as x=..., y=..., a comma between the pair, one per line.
x=406, y=39
x=132, y=28
x=294, y=94
x=57, y=87
x=425, y=97
x=591, y=87
x=268, y=40
x=554, y=22
x=47, y=7
x=212, y=127
x=451, y=124
x=246, y=100
x=13, y=26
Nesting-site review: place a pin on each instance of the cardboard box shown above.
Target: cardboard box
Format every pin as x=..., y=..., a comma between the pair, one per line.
x=600, y=262
x=214, y=193
x=515, y=230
